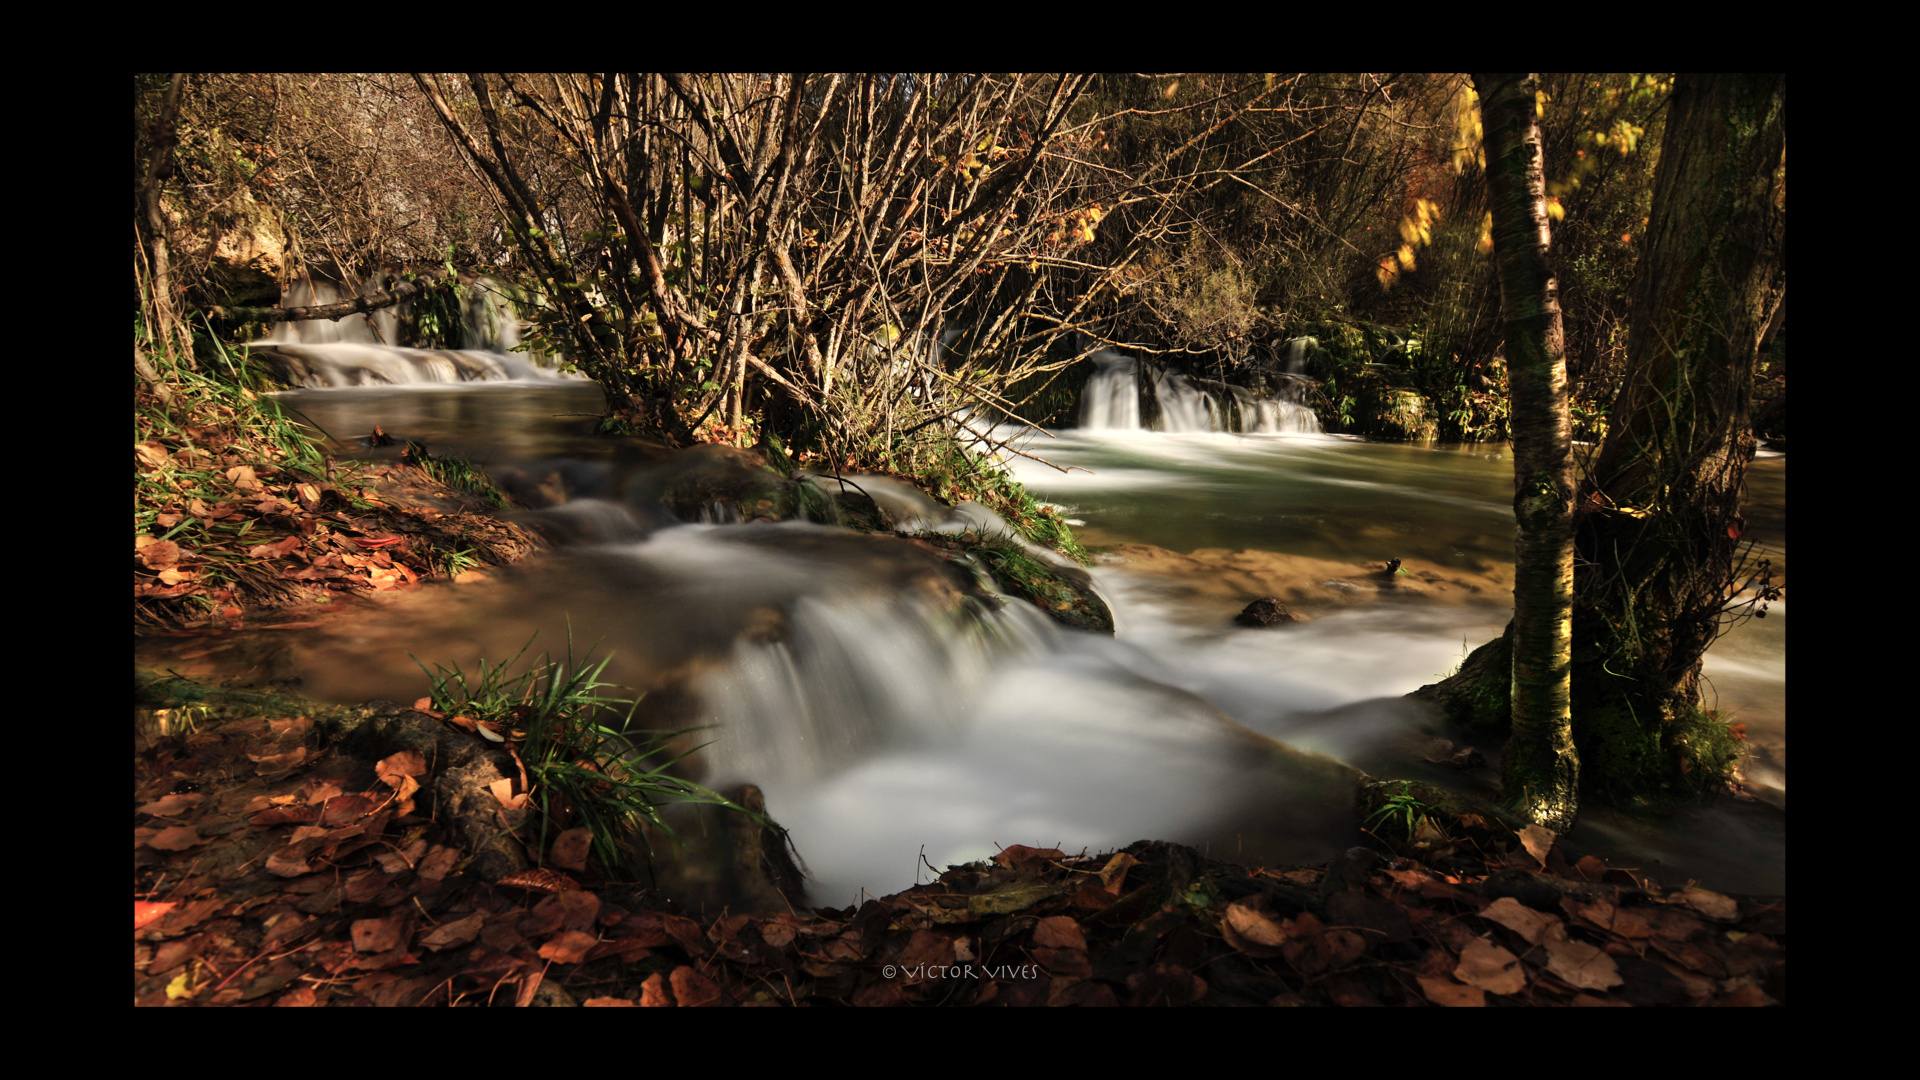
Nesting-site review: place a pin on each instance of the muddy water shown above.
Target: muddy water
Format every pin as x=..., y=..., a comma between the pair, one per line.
x=888, y=726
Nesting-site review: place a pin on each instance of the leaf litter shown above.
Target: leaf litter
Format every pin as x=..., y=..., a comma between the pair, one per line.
x=330, y=884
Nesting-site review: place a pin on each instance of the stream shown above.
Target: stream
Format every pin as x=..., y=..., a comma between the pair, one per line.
x=889, y=735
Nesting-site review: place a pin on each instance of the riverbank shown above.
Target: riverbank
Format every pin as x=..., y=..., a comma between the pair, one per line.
x=322, y=859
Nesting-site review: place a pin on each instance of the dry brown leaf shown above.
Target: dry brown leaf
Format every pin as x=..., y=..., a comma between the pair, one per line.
x=1251, y=931
x=1451, y=994
x=654, y=993
x=1528, y=923
x=693, y=989
x=176, y=838
x=447, y=935
x=1490, y=967
x=145, y=912
x=548, y=881
x=570, y=947
x=503, y=791
x=1059, y=932
x=570, y=849
x=1538, y=841
x=172, y=805
x=1711, y=904
x=380, y=935
x=1582, y=965
x=159, y=554
x=609, y=1003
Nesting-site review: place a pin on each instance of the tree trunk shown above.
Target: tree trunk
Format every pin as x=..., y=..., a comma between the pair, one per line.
x=1658, y=525
x=1660, y=521
x=169, y=332
x=1541, y=771
x=373, y=301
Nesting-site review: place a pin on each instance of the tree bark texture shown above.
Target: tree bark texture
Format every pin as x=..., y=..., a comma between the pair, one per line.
x=169, y=332
x=1659, y=527
x=1541, y=771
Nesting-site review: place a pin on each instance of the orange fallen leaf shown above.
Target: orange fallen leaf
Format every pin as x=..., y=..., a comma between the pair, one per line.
x=177, y=838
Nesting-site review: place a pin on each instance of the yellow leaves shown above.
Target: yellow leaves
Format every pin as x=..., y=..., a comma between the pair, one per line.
x=1468, y=148
x=1540, y=100
x=1485, y=244
x=1554, y=209
x=1172, y=89
x=1405, y=255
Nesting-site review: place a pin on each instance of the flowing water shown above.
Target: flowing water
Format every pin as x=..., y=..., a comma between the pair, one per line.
x=891, y=728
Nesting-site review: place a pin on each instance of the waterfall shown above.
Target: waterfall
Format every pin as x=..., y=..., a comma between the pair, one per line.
x=359, y=350
x=348, y=364
x=1111, y=400
x=380, y=327
x=1274, y=416
x=1299, y=352
x=1183, y=409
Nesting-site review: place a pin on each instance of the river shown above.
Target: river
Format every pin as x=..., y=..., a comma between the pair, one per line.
x=888, y=738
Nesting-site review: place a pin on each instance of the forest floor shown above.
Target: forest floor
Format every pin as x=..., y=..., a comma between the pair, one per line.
x=280, y=860
x=274, y=866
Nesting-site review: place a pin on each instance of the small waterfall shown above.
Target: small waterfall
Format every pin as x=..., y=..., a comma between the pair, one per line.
x=349, y=364
x=380, y=327
x=1183, y=409
x=1299, y=353
x=1111, y=400
x=1274, y=416
x=853, y=677
x=359, y=350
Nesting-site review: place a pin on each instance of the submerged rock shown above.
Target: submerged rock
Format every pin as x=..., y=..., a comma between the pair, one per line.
x=1266, y=611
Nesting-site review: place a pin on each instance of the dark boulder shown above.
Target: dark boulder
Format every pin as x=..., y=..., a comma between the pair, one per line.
x=1266, y=611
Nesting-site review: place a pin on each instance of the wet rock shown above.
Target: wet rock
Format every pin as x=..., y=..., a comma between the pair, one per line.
x=1266, y=611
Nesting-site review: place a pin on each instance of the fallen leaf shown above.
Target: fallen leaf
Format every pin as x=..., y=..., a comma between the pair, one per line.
x=1250, y=931
x=1582, y=965
x=1451, y=994
x=654, y=993
x=380, y=935
x=1021, y=857
x=159, y=554
x=570, y=947
x=1059, y=932
x=1489, y=967
x=609, y=1003
x=1711, y=904
x=461, y=931
x=177, y=838
x=1538, y=842
x=172, y=805
x=1523, y=920
x=146, y=911
x=693, y=989
x=503, y=791
x=570, y=849
x=548, y=881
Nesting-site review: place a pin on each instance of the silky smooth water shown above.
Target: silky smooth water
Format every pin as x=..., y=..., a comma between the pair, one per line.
x=888, y=734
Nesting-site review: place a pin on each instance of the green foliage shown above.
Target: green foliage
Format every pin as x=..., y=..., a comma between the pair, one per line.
x=581, y=770
x=958, y=476
x=1400, y=812
x=458, y=473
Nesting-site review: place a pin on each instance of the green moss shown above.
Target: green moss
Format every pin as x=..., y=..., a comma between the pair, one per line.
x=1064, y=593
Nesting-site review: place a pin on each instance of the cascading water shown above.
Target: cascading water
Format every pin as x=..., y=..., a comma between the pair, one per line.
x=1111, y=402
x=1183, y=409
x=883, y=704
x=358, y=350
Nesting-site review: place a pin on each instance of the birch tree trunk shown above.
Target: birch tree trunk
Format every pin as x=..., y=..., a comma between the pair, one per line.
x=1541, y=770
